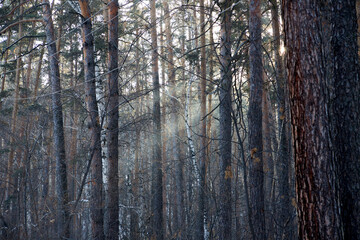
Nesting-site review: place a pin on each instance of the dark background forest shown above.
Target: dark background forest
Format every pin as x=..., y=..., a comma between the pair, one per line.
x=191, y=119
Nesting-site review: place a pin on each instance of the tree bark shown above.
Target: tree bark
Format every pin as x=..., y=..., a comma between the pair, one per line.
x=97, y=204
x=157, y=223
x=268, y=167
x=59, y=139
x=256, y=175
x=113, y=123
x=225, y=110
x=345, y=109
x=306, y=41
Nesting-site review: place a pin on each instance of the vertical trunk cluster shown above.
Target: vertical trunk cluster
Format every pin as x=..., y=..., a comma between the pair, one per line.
x=225, y=110
x=97, y=219
x=256, y=175
x=156, y=186
x=59, y=139
x=306, y=39
x=345, y=112
x=113, y=123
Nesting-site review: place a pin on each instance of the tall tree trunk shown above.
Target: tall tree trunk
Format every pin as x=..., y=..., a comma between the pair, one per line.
x=135, y=186
x=164, y=133
x=284, y=209
x=345, y=131
x=97, y=214
x=256, y=175
x=306, y=41
x=210, y=88
x=157, y=223
x=225, y=110
x=180, y=183
x=202, y=158
x=59, y=139
x=268, y=167
x=73, y=147
x=113, y=123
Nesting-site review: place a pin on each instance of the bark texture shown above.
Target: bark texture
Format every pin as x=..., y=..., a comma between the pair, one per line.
x=256, y=174
x=225, y=110
x=306, y=37
x=59, y=140
x=113, y=123
x=345, y=112
x=97, y=214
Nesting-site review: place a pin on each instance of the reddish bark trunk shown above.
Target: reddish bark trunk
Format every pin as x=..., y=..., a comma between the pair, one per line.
x=318, y=207
x=113, y=128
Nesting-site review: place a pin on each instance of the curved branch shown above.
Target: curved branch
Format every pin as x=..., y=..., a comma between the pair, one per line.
x=13, y=10
x=16, y=23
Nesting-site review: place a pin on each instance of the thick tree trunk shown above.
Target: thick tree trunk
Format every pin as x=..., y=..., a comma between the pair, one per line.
x=256, y=175
x=268, y=167
x=225, y=110
x=157, y=223
x=59, y=139
x=345, y=112
x=113, y=123
x=307, y=47
x=97, y=204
